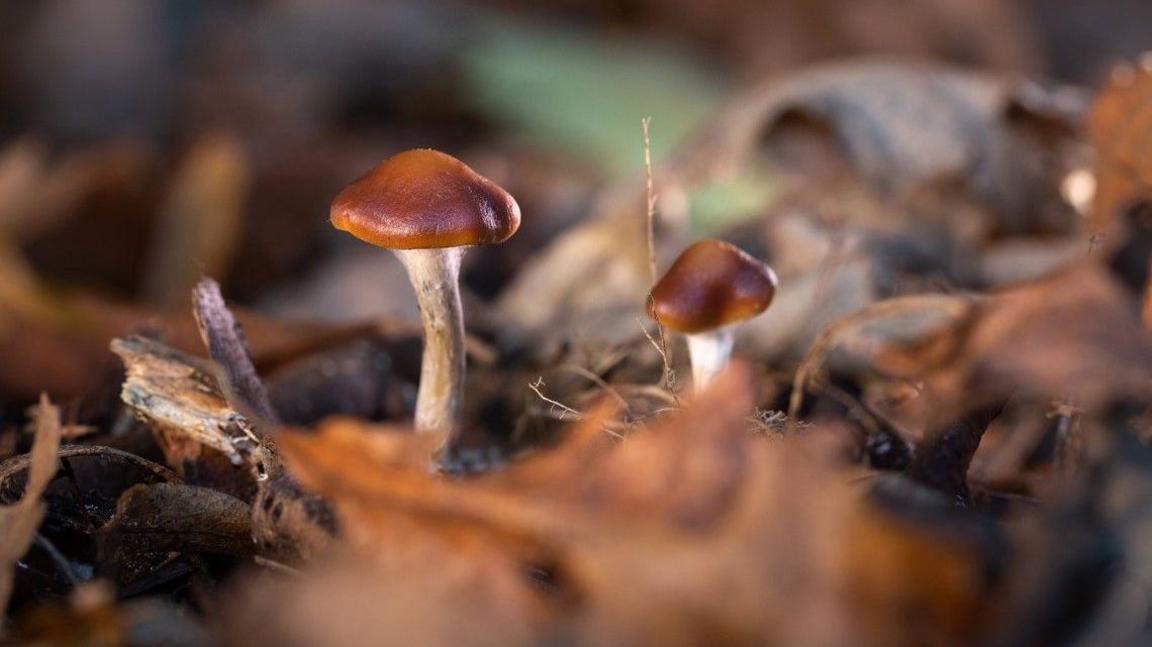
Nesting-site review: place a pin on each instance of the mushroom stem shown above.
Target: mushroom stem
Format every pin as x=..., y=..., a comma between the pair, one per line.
x=709, y=352
x=435, y=276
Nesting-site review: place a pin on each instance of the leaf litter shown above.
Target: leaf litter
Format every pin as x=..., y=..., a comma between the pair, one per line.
x=937, y=435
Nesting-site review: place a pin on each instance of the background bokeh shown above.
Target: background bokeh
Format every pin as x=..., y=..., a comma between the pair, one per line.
x=544, y=96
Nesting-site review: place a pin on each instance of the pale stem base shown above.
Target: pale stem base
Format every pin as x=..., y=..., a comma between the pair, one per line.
x=709, y=352
x=435, y=276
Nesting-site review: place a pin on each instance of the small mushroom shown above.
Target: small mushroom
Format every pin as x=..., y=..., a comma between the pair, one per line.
x=428, y=208
x=709, y=289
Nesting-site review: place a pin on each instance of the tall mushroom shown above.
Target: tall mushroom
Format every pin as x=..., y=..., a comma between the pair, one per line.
x=711, y=287
x=428, y=208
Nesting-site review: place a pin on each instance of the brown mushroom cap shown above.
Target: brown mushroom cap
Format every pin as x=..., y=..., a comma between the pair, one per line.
x=712, y=284
x=423, y=199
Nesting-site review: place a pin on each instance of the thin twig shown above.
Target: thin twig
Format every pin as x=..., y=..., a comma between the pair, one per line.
x=661, y=346
x=535, y=386
x=650, y=224
x=650, y=198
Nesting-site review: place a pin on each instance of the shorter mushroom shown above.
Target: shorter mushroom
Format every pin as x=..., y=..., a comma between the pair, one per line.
x=710, y=288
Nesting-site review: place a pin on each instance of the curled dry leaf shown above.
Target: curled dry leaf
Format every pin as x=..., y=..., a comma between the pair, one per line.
x=81, y=498
x=20, y=520
x=1073, y=335
x=692, y=531
x=164, y=517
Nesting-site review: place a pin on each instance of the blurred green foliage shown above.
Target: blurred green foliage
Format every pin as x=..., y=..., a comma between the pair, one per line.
x=586, y=93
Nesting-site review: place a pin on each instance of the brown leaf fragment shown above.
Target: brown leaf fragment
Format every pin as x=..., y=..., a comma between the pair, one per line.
x=1074, y=334
x=164, y=517
x=19, y=521
x=1120, y=125
x=200, y=221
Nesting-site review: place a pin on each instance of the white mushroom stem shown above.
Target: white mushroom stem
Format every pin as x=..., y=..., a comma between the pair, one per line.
x=709, y=352
x=435, y=276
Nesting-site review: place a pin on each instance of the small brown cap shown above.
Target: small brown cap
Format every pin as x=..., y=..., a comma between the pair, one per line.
x=422, y=199
x=711, y=284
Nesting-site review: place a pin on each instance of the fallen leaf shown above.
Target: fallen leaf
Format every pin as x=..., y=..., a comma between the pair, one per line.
x=691, y=531
x=20, y=520
x=1120, y=125
x=164, y=517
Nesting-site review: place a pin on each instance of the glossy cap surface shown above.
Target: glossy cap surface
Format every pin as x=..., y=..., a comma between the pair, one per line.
x=712, y=284
x=422, y=199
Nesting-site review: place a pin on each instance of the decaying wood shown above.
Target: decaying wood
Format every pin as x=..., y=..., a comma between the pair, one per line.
x=178, y=395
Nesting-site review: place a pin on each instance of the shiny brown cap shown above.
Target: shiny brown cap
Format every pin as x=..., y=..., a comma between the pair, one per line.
x=712, y=284
x=423, y=199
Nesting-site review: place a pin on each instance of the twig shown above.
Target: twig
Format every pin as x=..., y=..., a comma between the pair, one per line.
x=650, y=200
x=650, y=224
x=669, y=377
x=535, y=386
x=226, y=346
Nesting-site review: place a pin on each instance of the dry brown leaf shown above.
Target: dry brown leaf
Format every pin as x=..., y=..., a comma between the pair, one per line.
x=69, y=346
x=693, y=531
x=19, y=521
x=1121, y=130
x=200, y=220
x=1074, y=336
x=162, y=517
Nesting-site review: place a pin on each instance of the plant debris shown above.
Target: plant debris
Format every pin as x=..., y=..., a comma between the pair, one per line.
x=933, y=425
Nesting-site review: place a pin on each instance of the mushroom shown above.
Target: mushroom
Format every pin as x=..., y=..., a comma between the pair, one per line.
x=711, y=287
x=428, y=208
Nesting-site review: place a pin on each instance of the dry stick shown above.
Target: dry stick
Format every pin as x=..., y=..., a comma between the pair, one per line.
x=226, y=346
x=535, y=386
x=650, y=228
x=650, y=196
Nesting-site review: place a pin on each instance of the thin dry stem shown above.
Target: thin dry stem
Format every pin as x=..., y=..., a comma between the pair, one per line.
x=650, y=224
x=565, y=409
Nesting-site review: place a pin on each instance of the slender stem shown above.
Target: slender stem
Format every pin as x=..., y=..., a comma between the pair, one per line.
x=709, y=352
x=435, y=276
